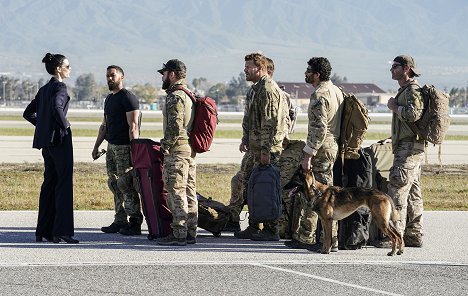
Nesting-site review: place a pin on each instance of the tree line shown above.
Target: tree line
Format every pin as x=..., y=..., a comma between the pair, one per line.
x=14, y=91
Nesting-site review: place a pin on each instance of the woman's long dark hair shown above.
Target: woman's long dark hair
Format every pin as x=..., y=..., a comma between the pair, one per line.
x=52, y=61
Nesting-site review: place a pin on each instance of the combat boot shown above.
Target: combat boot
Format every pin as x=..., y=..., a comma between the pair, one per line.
x=318, y=248
x=246, y=233
x=265, y=235
x=171, y=240
x=384, y=243
x=113, y=228
x=133, y=228
x=191, y=239
x=415, y=242
x=295, y=244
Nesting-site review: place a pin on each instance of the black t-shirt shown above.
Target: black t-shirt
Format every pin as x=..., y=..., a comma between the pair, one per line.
x=115, y=109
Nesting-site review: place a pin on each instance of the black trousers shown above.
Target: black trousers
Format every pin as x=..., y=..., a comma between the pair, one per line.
x=56, y=198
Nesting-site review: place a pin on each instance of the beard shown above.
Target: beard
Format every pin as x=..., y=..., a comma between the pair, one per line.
x=112, y=85
x=307, y=80
x=166, y=83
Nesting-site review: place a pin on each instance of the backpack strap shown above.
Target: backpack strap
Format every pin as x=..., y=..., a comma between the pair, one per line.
x=187, y=92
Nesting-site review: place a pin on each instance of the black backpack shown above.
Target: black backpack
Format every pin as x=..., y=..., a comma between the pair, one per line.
x=212, y=215
x=264, y=194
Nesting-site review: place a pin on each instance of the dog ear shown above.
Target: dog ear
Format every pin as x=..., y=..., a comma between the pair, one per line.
x=297, y=180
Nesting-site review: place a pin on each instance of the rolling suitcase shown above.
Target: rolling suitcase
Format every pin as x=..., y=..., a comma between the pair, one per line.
x=147, y=165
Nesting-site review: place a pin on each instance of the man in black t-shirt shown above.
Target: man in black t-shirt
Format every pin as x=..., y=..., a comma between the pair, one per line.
x=119, y=127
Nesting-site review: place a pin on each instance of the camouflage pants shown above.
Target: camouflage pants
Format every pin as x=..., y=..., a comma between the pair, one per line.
x=120, y=182
x=252, y=161
x=289, y=162
x=405, y=189
x=322, y=166
x=179, y=176
x=238, y=200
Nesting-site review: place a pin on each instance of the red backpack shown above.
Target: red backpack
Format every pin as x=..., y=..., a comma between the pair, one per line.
x=204, y=124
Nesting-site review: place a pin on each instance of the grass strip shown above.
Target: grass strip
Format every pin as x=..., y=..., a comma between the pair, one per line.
x=20, y=184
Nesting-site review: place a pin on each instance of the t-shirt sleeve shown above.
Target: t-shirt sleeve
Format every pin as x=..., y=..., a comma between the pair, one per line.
x=131, y=103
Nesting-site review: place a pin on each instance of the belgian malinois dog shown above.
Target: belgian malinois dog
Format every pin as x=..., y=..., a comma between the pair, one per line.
x=336, y=203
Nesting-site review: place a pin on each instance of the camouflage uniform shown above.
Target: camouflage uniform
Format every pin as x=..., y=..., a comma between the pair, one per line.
x=289, y=161
x=179, y=171
x=120, y=182
x=404, y=180
x=237, y=201
x=325, y=110
x=264, y=128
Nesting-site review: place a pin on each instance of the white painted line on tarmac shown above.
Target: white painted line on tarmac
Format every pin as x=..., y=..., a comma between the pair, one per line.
x=231, y=263
x=328, y=280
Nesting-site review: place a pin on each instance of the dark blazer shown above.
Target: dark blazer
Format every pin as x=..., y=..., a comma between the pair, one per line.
x=48, y=111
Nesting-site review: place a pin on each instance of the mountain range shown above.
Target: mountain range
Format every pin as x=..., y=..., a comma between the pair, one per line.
x=360, y=37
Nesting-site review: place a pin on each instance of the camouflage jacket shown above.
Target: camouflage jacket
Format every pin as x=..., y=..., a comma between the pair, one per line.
x=178, y=114
x=410, y=108
x=324, y=112
x=264, y=125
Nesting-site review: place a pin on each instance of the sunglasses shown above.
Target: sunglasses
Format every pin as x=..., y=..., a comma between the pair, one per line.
x=394, y=66
x=67, y=66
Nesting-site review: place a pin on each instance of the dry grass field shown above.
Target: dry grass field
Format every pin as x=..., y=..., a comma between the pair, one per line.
x=443, y=189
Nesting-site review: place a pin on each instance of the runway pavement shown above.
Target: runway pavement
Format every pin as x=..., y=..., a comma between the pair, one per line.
x=111, y=264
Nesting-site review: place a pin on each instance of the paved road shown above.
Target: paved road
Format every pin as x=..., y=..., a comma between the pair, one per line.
x=17, y=149
x=104, y=264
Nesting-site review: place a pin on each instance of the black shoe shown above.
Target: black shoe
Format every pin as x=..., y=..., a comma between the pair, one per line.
x=191, y=239
x=264, y=235
x=246, y=233
x=318, y=248
x=47, y=238
x=131, y=229
x=171, y=240
x=295, y=244
x=232, y=227
x=113, y=228
x=66, y=238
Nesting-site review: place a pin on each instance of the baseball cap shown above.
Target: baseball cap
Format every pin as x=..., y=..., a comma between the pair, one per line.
x=407, y=60
x=173, y=65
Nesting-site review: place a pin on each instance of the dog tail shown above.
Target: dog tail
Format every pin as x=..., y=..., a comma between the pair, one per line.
x=395, y=215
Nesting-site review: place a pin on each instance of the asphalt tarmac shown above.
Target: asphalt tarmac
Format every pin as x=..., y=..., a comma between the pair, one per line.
x=112, y=264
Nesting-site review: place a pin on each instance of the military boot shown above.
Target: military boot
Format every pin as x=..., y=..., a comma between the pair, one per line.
x=246, y=233
x=265, y=235
x=414, y=241
x=191, y=239
x=133, y=228
x=171, y=240
x=113, y=228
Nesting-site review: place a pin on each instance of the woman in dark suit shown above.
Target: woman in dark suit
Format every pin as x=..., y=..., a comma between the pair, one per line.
x=47, y=112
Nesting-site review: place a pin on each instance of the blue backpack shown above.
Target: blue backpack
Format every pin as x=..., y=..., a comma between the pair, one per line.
x=264, y=194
